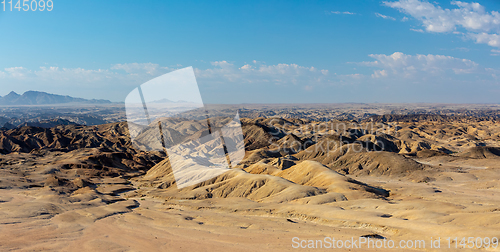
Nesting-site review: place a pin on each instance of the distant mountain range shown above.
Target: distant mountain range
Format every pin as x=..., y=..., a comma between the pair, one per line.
x=169, y=101
x=43, y=98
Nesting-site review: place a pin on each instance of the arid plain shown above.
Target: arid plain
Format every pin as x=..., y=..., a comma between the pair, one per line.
x=374, y=171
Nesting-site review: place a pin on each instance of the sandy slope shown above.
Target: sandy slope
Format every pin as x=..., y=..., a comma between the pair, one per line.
x=456, y=204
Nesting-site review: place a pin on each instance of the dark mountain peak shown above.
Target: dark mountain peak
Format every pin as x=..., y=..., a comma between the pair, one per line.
x=12, y=94
x=31, y=93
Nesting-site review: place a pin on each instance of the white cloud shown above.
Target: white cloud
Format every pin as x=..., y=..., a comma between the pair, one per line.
x=417, y=30
x=485, y=38
x=246, y=67
x=471, y=16
x=384, y=16
x=17, y=72
x=281, y=74
x=404, y=19
x=495, y=52
x=343, y=12
x=56, y=74
x=480, y=25
x=402, y=65
x=463, y=49
x=139, y=68
x=379, y=73
x=356, y=76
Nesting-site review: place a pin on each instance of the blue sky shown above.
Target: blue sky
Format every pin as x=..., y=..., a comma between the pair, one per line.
x=259, y=51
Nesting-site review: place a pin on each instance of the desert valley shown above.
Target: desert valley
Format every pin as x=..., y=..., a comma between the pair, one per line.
x=398, y=172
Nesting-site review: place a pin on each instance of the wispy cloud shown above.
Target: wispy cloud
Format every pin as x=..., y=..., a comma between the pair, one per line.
x=343, y=12
x=462, y=49
x=255, y=72
x=417, y=30
x=57, y=74
x=384, y=16
x=469, y=18
x=136, y=68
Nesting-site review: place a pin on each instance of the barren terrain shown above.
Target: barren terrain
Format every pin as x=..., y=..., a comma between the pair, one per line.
x=394, y=176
